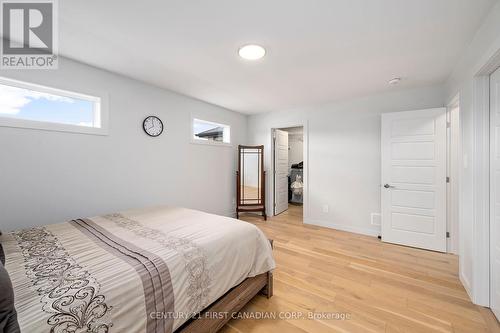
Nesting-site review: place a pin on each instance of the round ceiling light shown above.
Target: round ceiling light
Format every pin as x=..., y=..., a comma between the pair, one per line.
x=252, y=52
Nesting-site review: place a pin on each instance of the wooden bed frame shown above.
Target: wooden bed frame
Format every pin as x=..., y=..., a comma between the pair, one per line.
x=209, y=320
x=231, y=303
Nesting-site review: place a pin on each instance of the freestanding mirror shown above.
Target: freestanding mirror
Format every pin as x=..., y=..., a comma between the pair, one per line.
x=250, y=180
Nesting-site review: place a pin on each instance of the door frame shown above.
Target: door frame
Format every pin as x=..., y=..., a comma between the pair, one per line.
x=453, y=162
x=479, y=287
x=305, y=152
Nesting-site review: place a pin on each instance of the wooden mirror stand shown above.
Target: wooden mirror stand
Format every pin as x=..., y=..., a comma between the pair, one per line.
x=251, y=180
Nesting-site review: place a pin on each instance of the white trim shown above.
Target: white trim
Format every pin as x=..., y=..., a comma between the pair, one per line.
x=47, y=126
x=481, y=190
x=343, y=227
x=46, y=89
x=210, y=143
x=453, y=167
x=466, y=284
x=478, y=287
x=193, y=140
x=494, y=195
x=100, y=111
x=270, y=181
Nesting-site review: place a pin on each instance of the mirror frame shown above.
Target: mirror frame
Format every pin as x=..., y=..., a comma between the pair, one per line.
x=241, y=206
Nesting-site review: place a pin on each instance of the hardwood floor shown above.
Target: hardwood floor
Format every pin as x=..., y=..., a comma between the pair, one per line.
x=379, y=287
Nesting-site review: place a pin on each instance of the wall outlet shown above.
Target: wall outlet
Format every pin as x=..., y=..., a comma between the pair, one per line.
x=375, y=219
x=326, y=209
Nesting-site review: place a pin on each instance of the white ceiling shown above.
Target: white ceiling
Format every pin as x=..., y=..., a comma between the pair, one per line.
x=317, y=50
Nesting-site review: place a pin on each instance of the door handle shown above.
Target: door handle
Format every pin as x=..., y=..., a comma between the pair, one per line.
x=389, y=186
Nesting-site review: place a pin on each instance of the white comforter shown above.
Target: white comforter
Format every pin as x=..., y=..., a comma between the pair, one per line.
x=138, y=271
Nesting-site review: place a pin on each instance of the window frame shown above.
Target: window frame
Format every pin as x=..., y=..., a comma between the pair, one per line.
x=210, y=142
x=99, y=102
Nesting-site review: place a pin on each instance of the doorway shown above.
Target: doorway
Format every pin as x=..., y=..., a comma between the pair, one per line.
x=288, y=166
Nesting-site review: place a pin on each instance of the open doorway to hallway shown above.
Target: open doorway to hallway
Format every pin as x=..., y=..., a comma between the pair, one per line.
x=288, y=165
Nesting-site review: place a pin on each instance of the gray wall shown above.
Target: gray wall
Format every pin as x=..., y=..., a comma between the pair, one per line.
x=483, y=47
x=344, y=153
x=49, y=177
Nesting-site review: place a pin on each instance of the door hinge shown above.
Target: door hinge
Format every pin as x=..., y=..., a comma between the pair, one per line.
x=447, y=234
x=447, y=179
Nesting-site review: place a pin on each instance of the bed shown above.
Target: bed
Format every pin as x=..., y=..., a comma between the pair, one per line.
x=151, y=270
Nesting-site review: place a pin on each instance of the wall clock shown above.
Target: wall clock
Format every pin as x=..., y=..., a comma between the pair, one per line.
x=153, y=126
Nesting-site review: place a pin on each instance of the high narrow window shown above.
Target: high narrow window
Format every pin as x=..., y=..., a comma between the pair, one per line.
x=210, y=132
x=35, y=106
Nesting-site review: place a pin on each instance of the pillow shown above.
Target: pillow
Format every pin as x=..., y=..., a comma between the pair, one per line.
x=8, y=315
x=2, y=255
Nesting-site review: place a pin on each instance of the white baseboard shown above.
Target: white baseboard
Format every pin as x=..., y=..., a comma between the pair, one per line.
x=357, y=230
x=466, y=284
x=326, y=224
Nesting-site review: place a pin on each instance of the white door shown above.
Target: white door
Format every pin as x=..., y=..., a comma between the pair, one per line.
x=414, y=178
x=280, y=171
x=495, y=193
